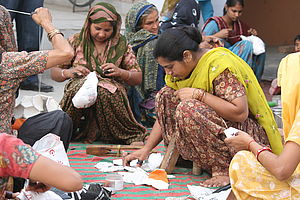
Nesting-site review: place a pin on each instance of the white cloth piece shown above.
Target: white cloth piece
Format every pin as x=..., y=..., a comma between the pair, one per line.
x=258, y=44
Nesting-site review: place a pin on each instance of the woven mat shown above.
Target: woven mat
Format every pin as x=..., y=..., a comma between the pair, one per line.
x=84, y=164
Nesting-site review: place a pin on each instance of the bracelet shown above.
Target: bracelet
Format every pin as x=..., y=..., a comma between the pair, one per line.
x=198, y=94
x=248, y=146
x=52, y=33
x=62, y=74
x=261, y=150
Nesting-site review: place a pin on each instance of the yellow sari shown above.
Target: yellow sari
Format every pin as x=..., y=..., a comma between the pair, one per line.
x=244, y=164
x=211, y=65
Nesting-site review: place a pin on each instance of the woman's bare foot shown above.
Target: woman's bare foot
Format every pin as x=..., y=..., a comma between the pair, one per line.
x=216, y=181
x=137, y=144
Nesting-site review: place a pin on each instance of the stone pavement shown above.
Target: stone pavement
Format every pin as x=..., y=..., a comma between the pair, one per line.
x=69, y=23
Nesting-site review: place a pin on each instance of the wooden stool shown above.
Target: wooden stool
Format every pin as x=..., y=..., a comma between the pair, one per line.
x=171, y=157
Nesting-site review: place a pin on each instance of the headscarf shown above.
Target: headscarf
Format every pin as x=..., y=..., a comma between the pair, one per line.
x=288, y=79
x=143, y=43
x=7, y=37
x=239, y=28
x=116, y=45
x=211, y=65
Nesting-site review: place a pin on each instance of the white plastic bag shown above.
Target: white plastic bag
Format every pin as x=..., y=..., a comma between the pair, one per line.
x=48, y=195
x=87, y=94
x=52, y=147
x=258, y=44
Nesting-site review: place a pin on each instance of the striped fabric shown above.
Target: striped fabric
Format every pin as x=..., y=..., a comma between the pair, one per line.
x=84, y=164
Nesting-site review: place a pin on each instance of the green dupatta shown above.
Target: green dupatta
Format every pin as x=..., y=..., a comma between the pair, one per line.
x=211, y=65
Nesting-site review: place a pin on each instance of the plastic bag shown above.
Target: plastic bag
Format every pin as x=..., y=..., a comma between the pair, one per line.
x=87, y=94
x=48, y=195
x=258, y=44
x=52, y=147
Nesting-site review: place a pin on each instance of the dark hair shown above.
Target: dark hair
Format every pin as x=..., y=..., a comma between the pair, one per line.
x=232, y=3
x=174, y=41
x=296, y=38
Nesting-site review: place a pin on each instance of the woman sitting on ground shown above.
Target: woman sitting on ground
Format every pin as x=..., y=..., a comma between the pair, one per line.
x=276, y=176
x=100, y=47
x=142, y=27
x=229, y=28
x=207, y=91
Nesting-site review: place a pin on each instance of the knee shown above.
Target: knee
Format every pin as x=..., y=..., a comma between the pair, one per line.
x=164, y=93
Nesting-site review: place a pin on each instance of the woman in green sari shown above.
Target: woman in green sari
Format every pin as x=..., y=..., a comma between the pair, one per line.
x=142, y=27
x=100, y=47
x=207, y=91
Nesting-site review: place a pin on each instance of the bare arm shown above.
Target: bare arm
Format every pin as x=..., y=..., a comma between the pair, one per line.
x=61, y=75
x=129, y=77
x=236, y=110
x=62, y=52
x=154, y=139
x=282, y=166
x=57, y=175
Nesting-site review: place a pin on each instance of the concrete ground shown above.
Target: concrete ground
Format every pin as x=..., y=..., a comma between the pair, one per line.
x=69, y=22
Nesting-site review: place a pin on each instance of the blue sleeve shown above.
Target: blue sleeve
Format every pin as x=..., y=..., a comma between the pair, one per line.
x=211, y=28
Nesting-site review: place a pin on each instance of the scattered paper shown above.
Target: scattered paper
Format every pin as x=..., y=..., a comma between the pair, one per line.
x=203, y=193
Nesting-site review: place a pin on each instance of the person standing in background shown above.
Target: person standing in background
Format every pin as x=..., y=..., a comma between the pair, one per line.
x=28, y=36
x=206, y=8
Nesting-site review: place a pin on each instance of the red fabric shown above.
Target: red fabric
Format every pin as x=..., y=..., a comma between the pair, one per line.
x=239, y=28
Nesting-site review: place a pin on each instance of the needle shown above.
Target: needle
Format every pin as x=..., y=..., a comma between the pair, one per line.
x=20, y=12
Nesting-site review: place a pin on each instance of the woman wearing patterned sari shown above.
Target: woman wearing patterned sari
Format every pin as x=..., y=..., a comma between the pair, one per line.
x=100, y=47
x=141, y=32
x=276, y=176
x=230, y=28
x=207, y=91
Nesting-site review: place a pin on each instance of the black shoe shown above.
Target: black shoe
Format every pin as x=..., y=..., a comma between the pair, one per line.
x=35, y=87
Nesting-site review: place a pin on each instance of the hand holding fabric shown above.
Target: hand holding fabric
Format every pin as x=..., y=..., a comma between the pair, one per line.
x=240, y=141
x=185, y=93
x=141, y=155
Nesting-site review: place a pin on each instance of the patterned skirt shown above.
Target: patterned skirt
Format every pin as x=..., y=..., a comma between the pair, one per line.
x=109, y=120
x=198, y=130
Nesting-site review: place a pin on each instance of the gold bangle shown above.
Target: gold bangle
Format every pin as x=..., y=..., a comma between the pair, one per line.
x=52, y=33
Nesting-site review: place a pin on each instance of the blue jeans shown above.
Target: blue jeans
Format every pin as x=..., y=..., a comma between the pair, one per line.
x=28, y=32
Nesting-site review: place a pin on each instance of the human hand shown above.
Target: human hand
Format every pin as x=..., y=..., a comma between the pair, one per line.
x=210, y=42
x=140, y=154
x=42, y=16
x=240, y=141
x=252, y=31
x=185, y=93
x=37, y=187
x=76, y=72
x=224, y=33
x=110, y=69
